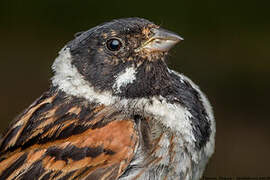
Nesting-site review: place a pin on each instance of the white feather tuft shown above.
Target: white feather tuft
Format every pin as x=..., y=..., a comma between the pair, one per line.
x=124, y=78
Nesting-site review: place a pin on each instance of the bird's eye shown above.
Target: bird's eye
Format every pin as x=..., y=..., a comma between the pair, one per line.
x=114, y=44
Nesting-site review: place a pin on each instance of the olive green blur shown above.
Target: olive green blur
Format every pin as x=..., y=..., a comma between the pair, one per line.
x=226, y=51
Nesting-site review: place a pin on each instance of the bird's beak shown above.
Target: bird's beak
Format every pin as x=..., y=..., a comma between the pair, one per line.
x=161, y=40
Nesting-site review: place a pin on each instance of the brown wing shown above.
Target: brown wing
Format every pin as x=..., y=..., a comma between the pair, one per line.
x=67, y=138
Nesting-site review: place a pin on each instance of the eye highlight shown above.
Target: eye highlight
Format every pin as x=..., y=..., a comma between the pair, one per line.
x=114, y=44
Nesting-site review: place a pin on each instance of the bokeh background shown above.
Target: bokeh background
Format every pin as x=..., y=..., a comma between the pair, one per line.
x=226, y=51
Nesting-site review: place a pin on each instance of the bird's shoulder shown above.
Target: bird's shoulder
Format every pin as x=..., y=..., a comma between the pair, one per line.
x=63, y=137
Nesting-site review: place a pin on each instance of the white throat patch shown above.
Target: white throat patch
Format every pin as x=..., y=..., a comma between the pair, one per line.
x=124, y=78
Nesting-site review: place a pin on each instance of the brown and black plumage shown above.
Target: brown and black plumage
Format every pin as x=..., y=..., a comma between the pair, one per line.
x=62, y=137
x=114, y=111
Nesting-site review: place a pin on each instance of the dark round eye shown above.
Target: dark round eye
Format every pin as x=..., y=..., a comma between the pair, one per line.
x=114, y=44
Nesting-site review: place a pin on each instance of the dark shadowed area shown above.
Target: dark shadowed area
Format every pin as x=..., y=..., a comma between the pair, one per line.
x=226, y=52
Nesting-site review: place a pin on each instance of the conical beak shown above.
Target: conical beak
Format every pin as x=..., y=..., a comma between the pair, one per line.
x=161, y=40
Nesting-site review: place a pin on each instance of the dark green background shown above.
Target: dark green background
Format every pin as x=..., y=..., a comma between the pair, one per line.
x=226, y=52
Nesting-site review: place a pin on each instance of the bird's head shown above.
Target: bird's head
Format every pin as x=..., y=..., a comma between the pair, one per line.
x=124, y=57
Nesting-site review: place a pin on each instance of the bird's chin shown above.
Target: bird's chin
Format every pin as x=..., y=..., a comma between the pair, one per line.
x=151, y=56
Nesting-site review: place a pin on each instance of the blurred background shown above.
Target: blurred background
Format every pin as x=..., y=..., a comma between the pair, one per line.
x=226, y=52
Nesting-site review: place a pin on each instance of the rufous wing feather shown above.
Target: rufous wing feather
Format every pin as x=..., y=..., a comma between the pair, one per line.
x=59, y=138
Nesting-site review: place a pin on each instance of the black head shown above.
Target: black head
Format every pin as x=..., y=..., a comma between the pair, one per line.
x=125, y=57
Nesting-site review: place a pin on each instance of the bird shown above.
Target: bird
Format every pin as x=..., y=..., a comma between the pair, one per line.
x=114, y=110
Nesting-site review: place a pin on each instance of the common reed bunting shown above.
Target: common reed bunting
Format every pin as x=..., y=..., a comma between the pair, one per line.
x=114, y=111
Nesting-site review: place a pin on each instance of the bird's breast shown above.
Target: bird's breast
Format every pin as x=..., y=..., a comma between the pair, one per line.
x=162, y=154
